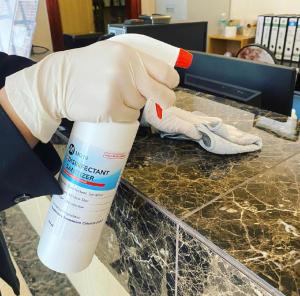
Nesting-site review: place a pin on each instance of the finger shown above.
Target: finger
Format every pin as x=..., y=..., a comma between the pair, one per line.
x=160, y=71
x=148, y=87
x=151, y=89
x=131, y=96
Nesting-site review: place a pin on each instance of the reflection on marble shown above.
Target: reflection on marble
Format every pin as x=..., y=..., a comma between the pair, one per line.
x=139, y=246
x=202, y=272
x=228, y=102
x=259, y=224
x=242, y=119
x=22, y=241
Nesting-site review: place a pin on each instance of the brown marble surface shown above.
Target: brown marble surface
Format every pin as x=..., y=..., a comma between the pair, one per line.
x=247, y=204
x=258, y=223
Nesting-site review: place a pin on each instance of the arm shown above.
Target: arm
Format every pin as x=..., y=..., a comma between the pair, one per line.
x=30, y=139
x=27, y=167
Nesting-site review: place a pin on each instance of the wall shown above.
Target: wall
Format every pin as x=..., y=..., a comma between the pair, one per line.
x=42, y=34
x=208, y=10
x=250, y=9
x=195, y=10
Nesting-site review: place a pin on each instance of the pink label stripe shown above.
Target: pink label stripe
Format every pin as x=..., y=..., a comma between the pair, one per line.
x=83, y=181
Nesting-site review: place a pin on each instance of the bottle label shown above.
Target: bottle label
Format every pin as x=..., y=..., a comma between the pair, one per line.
x=89, y=179
x=92, y=168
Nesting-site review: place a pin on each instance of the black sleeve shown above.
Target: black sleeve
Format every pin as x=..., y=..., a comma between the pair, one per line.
x=24, y=173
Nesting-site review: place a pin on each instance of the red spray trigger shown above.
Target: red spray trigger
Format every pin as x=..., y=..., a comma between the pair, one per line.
x=184, y=59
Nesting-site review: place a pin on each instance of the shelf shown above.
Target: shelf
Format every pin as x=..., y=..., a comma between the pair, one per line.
x=219, y=44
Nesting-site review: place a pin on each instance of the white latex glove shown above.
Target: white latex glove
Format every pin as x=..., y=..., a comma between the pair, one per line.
x=177, y=121
x=105, y=81
x=158, y=49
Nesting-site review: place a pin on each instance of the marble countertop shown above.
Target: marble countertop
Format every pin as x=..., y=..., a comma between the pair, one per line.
x=248, y=205
x=181, y=176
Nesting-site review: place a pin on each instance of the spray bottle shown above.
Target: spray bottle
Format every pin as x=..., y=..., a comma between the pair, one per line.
x=95, y=157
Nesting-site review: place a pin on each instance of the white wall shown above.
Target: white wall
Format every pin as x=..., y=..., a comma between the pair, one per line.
x=208, y=10
x=42, y=34
x=195, y=10
x=250, y=9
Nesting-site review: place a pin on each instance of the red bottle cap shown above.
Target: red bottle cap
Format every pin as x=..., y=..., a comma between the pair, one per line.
x=184, y=59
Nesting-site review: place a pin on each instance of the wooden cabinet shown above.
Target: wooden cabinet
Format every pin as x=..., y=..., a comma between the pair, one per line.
x=77, y=17
x=219, y=44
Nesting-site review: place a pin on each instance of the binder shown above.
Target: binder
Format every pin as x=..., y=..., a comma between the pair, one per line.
x=296, y=50
x=290, y=38
x=274, y=34
x=267, y=31
x=281, y=37
x=259, y=29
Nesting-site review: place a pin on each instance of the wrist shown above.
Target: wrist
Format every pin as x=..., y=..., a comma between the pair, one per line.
x=23, y=129
x=27, y=96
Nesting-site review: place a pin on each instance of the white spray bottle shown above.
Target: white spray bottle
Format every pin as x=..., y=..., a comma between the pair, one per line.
x=95, y=157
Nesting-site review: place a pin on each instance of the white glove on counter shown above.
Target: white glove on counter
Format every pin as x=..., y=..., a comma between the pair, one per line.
x=102, y=82
x=210, y=132
x=177, y=121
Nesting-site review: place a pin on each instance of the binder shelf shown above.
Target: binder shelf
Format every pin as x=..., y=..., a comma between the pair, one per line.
x=220, y=44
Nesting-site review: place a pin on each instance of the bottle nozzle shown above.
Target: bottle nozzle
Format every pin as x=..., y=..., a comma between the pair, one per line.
x=184, y=59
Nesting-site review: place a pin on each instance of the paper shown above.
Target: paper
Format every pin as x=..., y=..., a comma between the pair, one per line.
x=17, y=25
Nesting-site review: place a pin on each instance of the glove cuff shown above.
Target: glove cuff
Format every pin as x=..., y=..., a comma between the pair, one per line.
x=28, y=107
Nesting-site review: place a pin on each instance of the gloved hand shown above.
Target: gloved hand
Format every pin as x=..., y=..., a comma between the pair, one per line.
x=101, y=82
x=177, y=121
